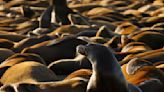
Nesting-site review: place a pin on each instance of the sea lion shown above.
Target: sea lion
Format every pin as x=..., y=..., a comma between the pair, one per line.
x=153, y=39
x=84, y=73
x=22, y=57
x=5, y=43
x=154, y=56
x=5, y=53
x=142, y=72
x=60, y=11
x=135, y=47
x=19, y=46
x=67, y=66
x=18, y=58
x=72, y=29
x=61, y=48
x=105, y=32
x=27, y=11
x=98, y=11
x=71, y=85
x=13, y=37
x=28, y=72
x=107, y=75
x=126, y=28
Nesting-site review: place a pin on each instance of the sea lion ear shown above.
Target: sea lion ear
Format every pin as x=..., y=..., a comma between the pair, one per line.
x=135, y=64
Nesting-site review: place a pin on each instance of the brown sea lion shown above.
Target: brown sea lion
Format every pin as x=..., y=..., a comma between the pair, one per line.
x=135, y=47
x=13, y=37
x=154, y=56
x=126, y=28
x=72, y=29
x=104, y=32
x=27, y=72
x=22, y=57
x=19, y=46
x=5, y=53
x=153, y=39
x=61, y=48
x=85, y=73
x=99, y=11
x=83, y=7
x=131, y=49
x=67, y=66
x=71, y=85
x=107, y=75
x=5, y=43
x=19, y=58
x=141, y=72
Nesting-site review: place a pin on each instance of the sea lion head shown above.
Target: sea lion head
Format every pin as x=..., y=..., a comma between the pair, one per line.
x=91, y=50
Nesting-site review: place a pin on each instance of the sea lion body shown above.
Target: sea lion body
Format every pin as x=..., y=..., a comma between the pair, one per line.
x=77, y=84
x=28, y=72
x=5, y=53
x=105, y=78
x=61, y=11
x=64, y=48
x=67, y=66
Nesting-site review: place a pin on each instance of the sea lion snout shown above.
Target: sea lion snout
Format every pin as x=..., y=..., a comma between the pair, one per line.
x=81, y=49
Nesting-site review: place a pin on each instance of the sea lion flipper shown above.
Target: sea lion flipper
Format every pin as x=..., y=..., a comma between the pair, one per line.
x=45, y=19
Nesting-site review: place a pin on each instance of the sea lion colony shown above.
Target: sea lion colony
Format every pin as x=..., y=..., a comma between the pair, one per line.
x=82, y=46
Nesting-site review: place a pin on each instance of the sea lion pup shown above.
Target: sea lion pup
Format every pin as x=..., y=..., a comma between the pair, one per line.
x=5, y=53
x=19, y=46
x=60, y=11
x=141, y=73
x=107, y=75
x=28, y=72
x=71, y=85
x=67, y=66
x=61, y=48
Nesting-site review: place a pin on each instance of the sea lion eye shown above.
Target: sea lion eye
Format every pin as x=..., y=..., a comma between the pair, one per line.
x=81, y=49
